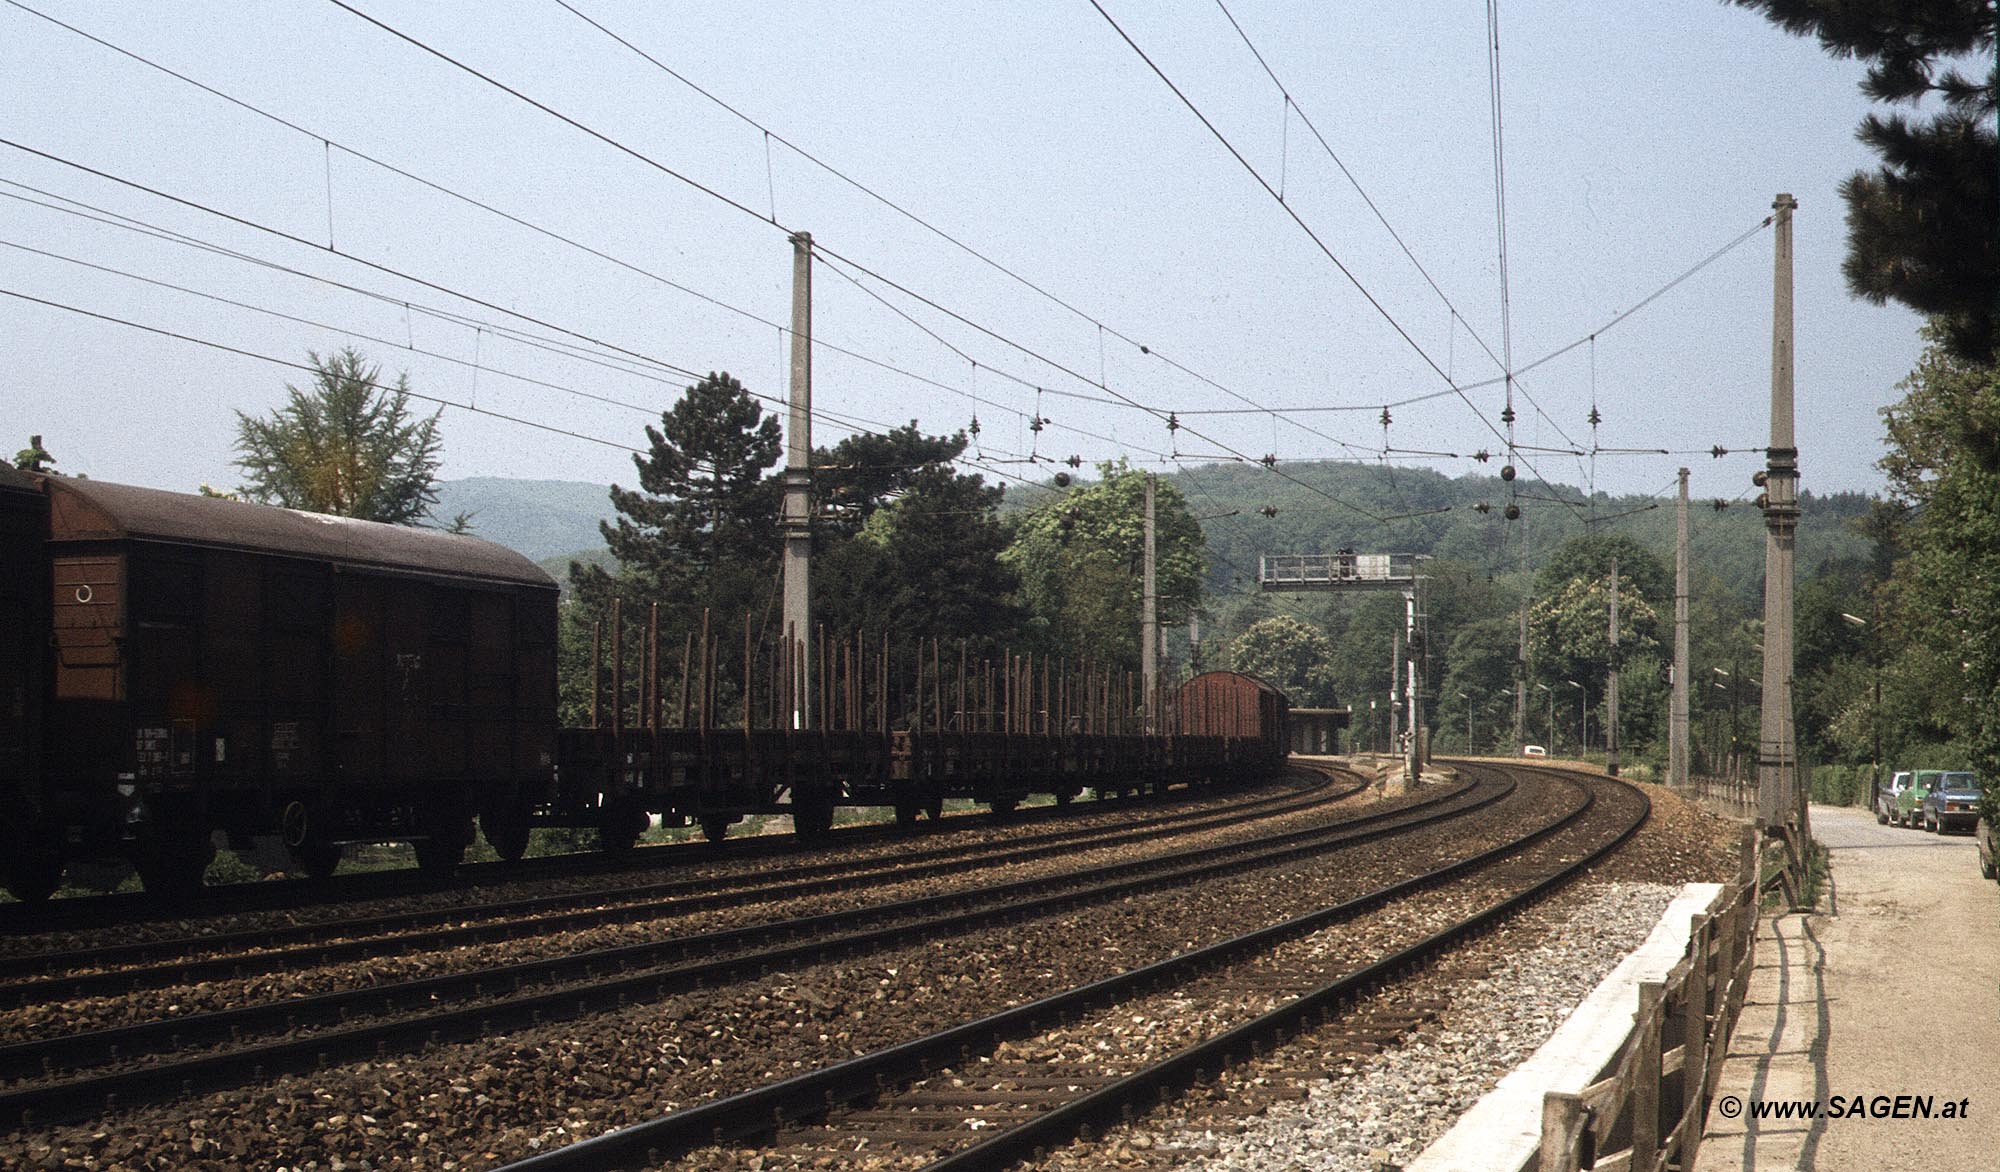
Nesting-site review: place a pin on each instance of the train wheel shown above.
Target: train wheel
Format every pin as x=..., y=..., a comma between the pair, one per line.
x=619, y=827
x=438, y=857
x=715, y=827
x=506, y=833
x=171, y=867
x=1004, y=806
x=934, y=808
x=32, y=873
x=812, y=818
x=317, y=857
x=906, y=812
x=1063, y=797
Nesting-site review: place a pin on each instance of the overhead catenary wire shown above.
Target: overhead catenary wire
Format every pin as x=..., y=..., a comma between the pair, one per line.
x=484, y=206
x=1103, y=327
x=1318, y=242
x=1162, y=415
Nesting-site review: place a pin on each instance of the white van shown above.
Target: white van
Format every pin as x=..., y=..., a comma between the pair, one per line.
x=1533, y=751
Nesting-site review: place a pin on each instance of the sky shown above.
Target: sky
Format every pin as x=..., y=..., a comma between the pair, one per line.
x=1073, y=244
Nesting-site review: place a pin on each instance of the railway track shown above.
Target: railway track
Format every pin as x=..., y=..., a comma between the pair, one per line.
x=121, y=909
x=479, y=1004
x=990, y=1093
x=118, y=968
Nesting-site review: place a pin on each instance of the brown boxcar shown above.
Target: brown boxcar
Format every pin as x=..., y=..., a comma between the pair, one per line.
x=226, y=666
x=1242, y=709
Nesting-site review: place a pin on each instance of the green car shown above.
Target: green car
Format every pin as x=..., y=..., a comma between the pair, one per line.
x=1910, y=803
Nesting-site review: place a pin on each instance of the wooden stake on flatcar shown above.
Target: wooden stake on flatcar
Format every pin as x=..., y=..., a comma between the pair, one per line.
x=653, y=669
x=617, y=666
x=596, y=669
x=687, y=656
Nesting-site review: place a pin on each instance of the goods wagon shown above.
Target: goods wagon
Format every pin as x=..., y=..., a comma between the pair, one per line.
x=175, y=667
x=1248, y=715
x=213, y=665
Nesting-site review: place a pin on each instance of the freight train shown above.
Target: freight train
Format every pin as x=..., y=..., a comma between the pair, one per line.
x=176, y=669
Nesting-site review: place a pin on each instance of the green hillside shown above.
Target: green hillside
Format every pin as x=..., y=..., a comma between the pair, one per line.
x=537, y=518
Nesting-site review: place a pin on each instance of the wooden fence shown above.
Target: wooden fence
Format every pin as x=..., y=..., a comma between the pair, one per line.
x=1647, y=1113
x=1737, y=796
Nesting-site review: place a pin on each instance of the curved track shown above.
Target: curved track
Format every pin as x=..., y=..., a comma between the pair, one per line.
x=482, y=1002
x=64, y=974
x=962, y=1095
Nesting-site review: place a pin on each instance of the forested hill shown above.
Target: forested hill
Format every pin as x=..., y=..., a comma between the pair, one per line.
x=538, y=518
x=1364, y=507
x=1326, y=506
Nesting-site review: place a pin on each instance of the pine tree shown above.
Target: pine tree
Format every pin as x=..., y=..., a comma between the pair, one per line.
x=349, y=446
x=704, y=502
x=1921, y=227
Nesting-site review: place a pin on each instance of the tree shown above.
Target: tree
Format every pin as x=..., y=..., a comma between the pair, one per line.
x=925, y=565
x=1292, y=656
x=1920, y=228
x=348, y=446
x=704, y=501
x=34, y=457
x=1080, y=560
x=1569, y=635
x=1942, y=604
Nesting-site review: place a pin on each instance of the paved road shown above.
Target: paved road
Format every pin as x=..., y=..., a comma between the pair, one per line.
x=1896, y=991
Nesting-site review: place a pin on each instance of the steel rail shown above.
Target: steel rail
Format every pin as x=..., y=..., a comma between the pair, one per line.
x=808, y=1097
x=541, y=915
x=106, y=911
x=85, y=1097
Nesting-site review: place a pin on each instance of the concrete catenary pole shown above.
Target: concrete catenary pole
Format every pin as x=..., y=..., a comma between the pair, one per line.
x=1412, y=687
x=1777, y=754
x=1677, y=719
x=1149, y=620
x=1395, y=685
x=798, y=486
x=1611, y=685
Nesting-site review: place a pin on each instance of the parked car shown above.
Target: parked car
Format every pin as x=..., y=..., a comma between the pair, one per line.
x=1533, y=751
x=1886, y=795
x=1952, y=802
x=1910, y=802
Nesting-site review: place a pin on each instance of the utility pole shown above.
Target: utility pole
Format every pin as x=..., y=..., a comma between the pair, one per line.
x=1611, y=688
x=1777, y=752
x=1149, y=620
x=1414, y=769
x=1677, y=720
x=798, y=488
x=1395, y=684
x=1521, y=652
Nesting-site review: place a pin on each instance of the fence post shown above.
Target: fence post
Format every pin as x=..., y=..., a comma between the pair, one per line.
x=1563, y=1121
x=1646, y=1076
x=1695, y=1033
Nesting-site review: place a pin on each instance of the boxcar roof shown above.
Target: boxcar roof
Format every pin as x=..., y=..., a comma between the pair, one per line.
x=12, y=480
x=94, y=510
x=1227, y=677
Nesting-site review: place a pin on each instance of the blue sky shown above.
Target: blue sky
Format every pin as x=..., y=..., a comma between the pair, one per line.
x=1639, y=139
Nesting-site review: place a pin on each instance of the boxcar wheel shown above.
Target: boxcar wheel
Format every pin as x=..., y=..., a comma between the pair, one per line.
x=317, y=857
x=505, y=833
x=32, y=873
x=715, y=827
x=171, y=868
x=1004, y=806
x=906, y=812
